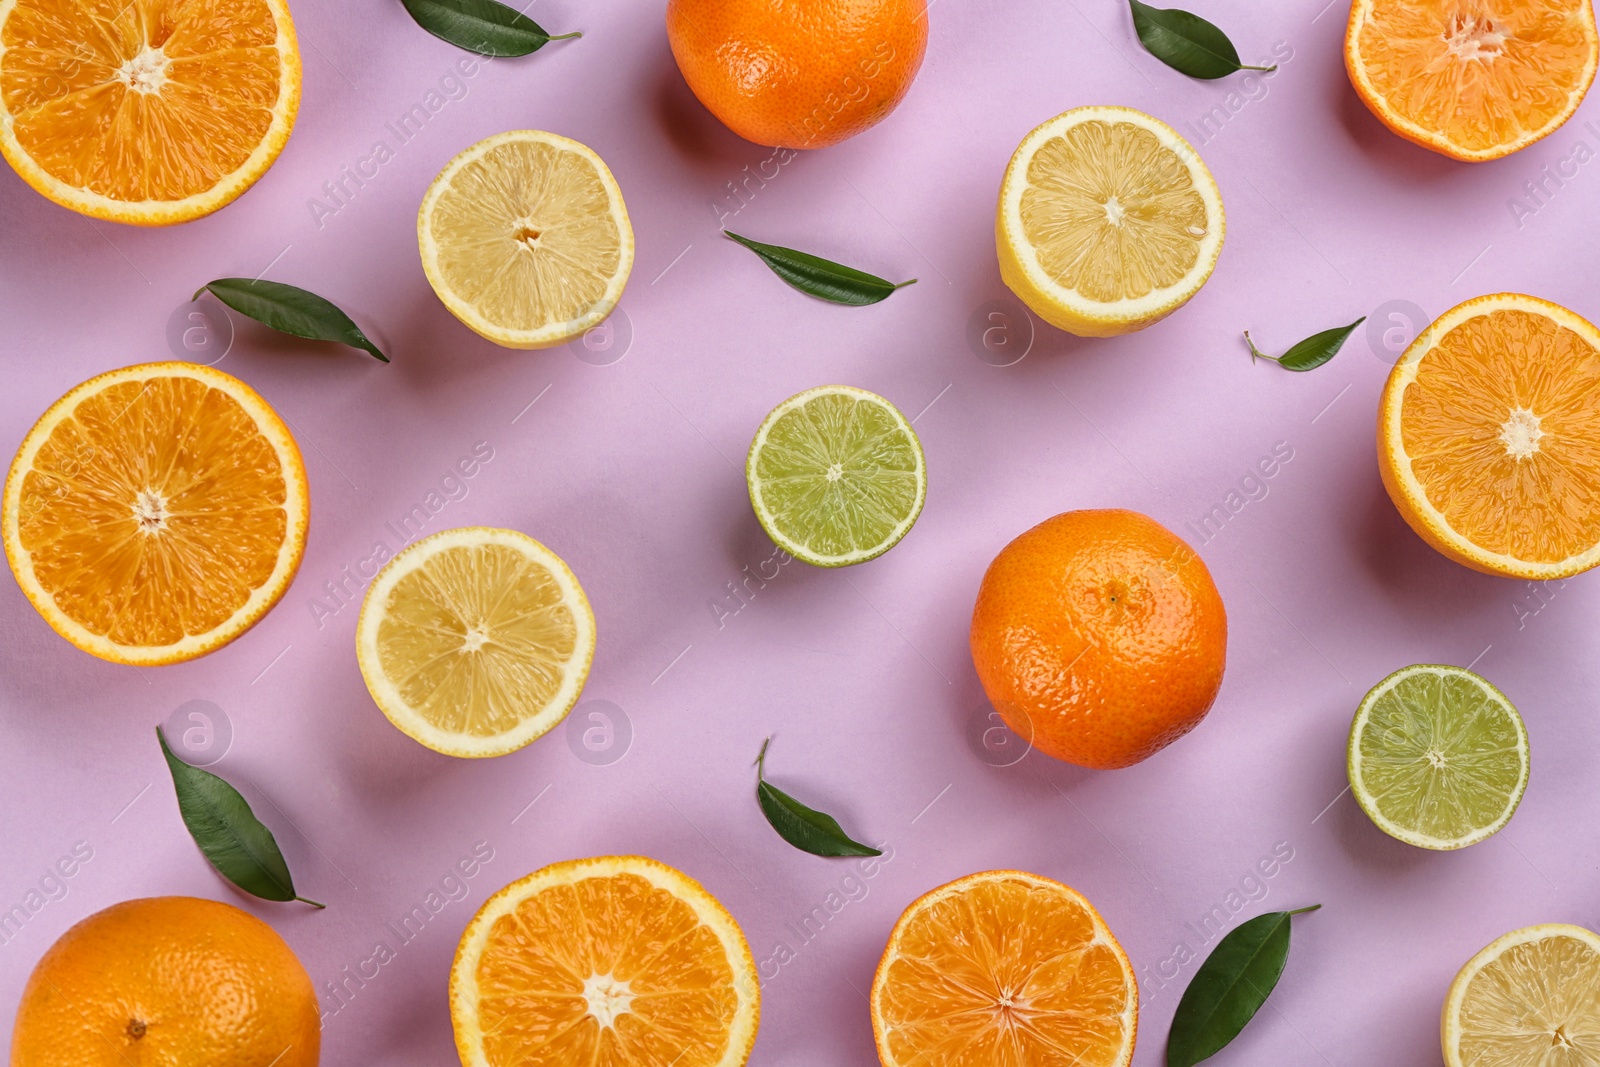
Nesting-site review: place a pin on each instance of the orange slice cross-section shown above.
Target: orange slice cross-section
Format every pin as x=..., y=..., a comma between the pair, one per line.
x=155, y=513
x=1004, y=969
x=1473, y=79
x=616, y=961
x=145, y=111
x=1489, y=437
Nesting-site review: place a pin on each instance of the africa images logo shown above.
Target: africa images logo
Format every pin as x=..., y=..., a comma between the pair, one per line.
x=346, y=588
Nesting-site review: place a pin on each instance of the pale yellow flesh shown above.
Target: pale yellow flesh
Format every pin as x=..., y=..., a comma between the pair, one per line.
x=476, y=642
x=1112, y=212
x=1531, y=999
x=1108, y=221
x=525, y=238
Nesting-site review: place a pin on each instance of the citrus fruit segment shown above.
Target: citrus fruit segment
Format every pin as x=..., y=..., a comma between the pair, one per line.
x=154, y=513
x=1005, y=969
x=145, y=111
x=1099, y=637
x=1108, y=221
x=1530, y=997
x=525, y=238
x=1473, y=81
x=1438, y=757
x=475, y=641
x=615, y=960
x=836, y=475
x=168, y=980
x=798, y=73
x=1489, y=437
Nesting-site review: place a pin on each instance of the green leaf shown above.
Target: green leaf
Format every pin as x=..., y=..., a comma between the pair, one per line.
x=482, y=26
x=229, y=835
x=820, y=277
x=1186, y=42
x=1311, y=353
x=805, y=828
x=290, y=310
x=1230, y=987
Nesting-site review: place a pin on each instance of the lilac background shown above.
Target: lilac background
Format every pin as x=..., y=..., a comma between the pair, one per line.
x=632, y=471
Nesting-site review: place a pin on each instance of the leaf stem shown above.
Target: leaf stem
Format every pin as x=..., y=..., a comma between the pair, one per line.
x=1256, y=353
x=1302, y=911
x=579, y=33
x=313, y=903
x=1264, y=70
x=761, y=759
x=902, y=285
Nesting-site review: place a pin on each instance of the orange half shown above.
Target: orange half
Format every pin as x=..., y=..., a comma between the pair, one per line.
x=155, y=513
x=616, y=961
x=148, y=112
x=1472, y=79
x=1489, y=437
x=1004, y=969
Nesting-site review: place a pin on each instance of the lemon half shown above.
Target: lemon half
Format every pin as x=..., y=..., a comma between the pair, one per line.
x=524, y=237
x=1530, y=997
x=1108, y=221
x=475, y=641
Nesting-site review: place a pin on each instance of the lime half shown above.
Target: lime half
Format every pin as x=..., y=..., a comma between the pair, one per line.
x=836, y=475
x=1438, y=757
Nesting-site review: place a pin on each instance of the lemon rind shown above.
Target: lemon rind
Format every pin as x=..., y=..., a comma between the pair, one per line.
x=394, y=707
x=1450, y=1016
x=1064, y=308
x=553, y=333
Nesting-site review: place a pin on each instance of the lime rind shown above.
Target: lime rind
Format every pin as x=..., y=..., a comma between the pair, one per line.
x=836, y=476
x=1437, y=757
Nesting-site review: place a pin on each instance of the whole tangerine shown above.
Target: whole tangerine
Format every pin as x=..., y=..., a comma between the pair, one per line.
x=168, y=980
x=798, y=73
x=1099, y=637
